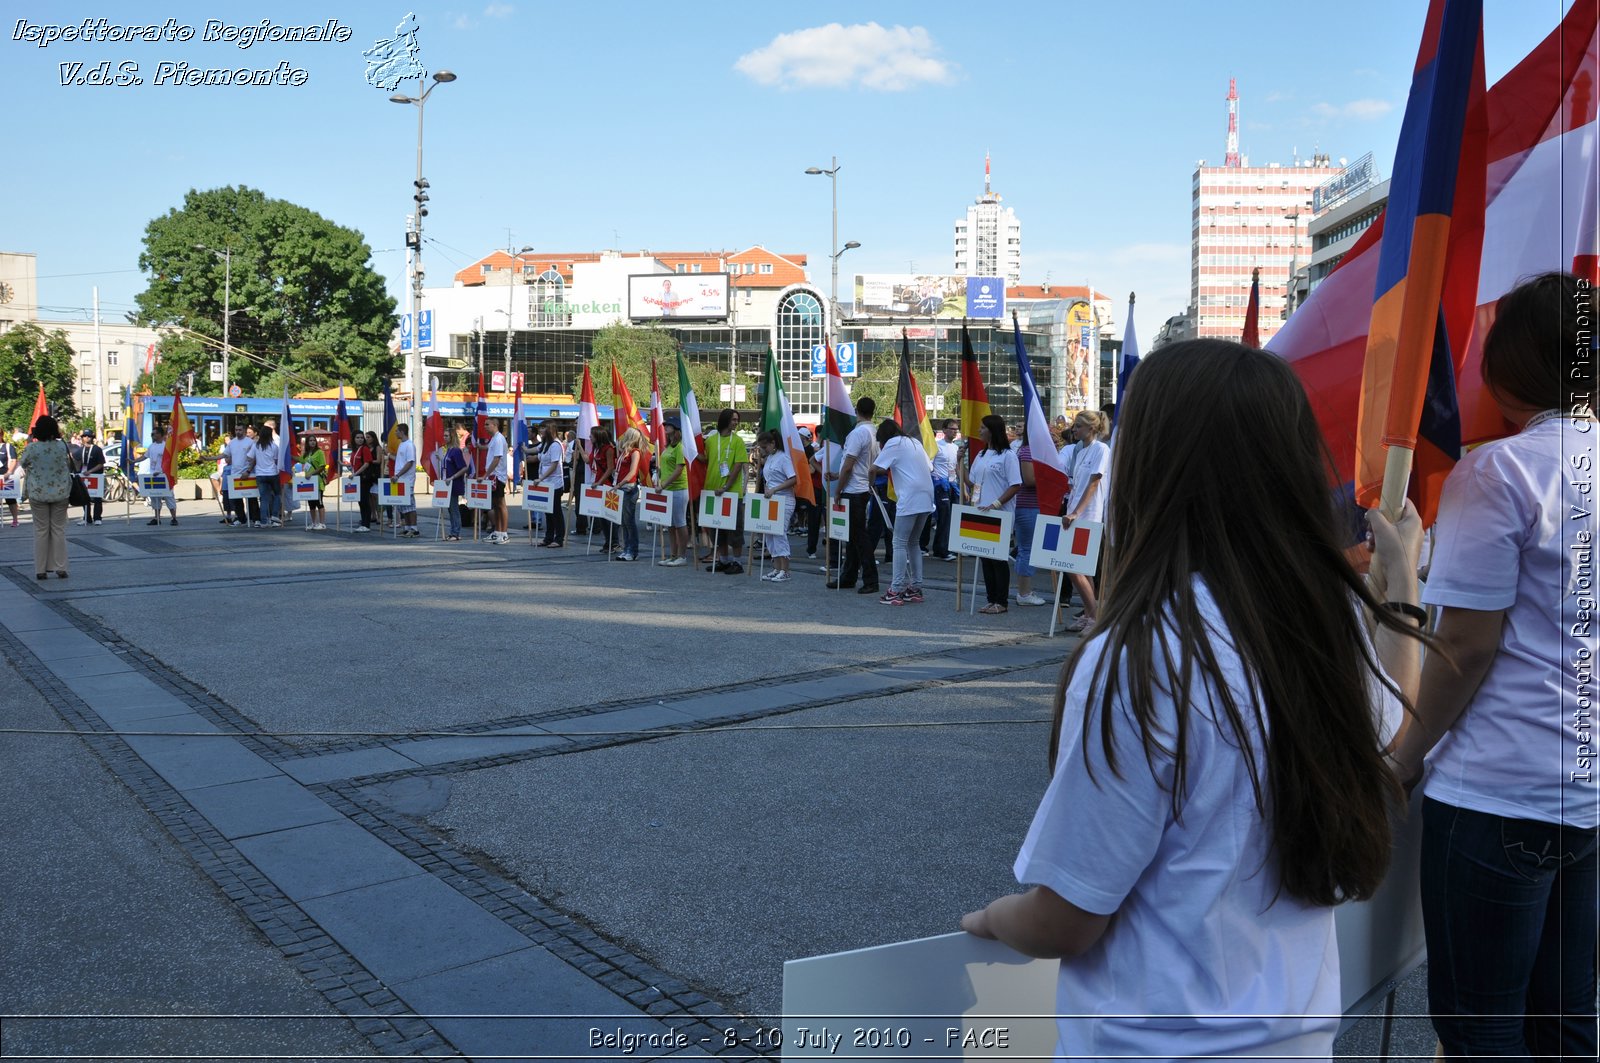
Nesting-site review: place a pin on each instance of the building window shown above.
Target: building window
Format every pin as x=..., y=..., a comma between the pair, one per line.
x=766, y=267
x=487, y=269
x=111, y=358
x=695, y=268
x=681, y=267
x=547, y=302
x=799, y=323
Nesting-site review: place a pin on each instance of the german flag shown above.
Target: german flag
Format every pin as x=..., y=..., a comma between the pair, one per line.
x=979, y=526
x=974, y=399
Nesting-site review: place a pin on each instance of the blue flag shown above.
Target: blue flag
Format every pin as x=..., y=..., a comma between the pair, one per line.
x=1130, y=360
x=130, y=434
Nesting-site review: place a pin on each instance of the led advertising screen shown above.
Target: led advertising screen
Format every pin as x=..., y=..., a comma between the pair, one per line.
x=928, y=295
x=677, y=296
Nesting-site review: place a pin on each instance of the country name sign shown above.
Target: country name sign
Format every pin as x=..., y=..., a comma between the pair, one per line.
x=980, y=532
x=1074, y=547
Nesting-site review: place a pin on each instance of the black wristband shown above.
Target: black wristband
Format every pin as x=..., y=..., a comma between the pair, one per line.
x=1415, y=612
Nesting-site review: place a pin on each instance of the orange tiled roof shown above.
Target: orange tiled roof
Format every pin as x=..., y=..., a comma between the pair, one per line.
x=1053, y=291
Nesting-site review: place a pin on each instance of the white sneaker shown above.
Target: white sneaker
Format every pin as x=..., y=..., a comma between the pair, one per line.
x=1031, y=599
x=770, y=576
x=319, y=527
x=274, y=523
x=362, y=528
x=780, y=577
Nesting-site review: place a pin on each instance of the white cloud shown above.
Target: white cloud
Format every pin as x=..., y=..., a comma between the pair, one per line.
x=886, y=59
x=498, y=11
x=1356, y=110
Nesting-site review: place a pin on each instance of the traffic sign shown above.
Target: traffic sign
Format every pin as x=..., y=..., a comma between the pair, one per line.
x=405, y=333
x=844, y=354
x=234, y=391
x=216, y=371
x=424, y=330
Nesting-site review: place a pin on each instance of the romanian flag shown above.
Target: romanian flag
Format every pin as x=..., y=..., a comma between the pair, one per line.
x=1424, y=294
x=1251, y=337
x=393, y=489
x=180, y=437
x=974, y=399
x=626, y=414
x=910, y=413
x=391, y=433
x=979, y=527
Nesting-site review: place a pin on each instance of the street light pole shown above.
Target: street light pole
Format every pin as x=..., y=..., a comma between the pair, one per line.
x=834, y=252
x=226, y=254
x=516, y=257
x=414, y=244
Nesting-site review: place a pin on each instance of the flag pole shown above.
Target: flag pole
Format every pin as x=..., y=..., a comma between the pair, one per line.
x=1396, y=475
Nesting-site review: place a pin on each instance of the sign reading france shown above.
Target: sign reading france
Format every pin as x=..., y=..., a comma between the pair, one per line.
x=986, y=297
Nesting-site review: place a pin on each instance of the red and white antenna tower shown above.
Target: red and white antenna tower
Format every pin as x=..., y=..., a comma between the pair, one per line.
x=986, y=173
x=1232, y=158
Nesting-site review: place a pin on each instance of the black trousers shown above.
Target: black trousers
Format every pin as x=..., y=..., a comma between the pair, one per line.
x=813, y=526
x=996, y=581
x=858, y=554
x=555, y=521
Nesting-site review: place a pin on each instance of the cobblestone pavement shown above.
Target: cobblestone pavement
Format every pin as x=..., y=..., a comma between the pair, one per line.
x=458, y=799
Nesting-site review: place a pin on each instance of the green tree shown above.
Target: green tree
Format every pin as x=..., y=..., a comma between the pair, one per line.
x=30, y=356
x=632, y=348
x=307, y=307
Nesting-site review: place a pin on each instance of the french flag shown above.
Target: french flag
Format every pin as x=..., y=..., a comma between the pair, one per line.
x=1049, y=476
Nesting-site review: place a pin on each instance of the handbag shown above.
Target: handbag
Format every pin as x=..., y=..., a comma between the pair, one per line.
x=77, y=493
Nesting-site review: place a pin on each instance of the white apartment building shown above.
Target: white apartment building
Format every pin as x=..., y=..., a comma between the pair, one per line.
x=988, y=241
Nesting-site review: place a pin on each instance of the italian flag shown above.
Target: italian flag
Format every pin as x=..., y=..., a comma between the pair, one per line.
x=694, y=440
x=776, y=413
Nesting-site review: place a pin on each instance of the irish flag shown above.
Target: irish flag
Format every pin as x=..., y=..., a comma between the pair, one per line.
x=777, y=413
x=179, y=439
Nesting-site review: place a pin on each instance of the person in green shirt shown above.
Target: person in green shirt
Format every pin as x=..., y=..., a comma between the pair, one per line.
x=673, y=476
x=316, y=463
x=726, y=461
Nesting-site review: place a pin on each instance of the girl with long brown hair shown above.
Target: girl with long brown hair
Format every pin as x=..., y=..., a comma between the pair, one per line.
x=1219, y=780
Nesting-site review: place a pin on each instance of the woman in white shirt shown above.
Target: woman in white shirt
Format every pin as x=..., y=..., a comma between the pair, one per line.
x=1504, y=717
x=1087, y=500
x=1216, y=789
x=911, y=476
x=993, y=481
x=777, y=481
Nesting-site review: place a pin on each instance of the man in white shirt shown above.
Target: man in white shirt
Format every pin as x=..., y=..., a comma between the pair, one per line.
x=405, y=471
x=237, y=453
x=497, y=468
x=945, y=488
x=855, y=476
x=153, y=456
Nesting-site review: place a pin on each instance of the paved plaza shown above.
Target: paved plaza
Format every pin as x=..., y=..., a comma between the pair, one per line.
x=338, y=795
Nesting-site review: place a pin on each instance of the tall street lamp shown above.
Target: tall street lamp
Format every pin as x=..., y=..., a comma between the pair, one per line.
x=226, y=254
x=510, y=303
x=414, y=244
x=834, y=250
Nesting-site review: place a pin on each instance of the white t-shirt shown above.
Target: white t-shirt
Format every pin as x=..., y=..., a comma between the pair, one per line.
x=944, y=460
x=910, y=474
x=152, y=458
x=776, y=469
x=406, y=455
x=992, y=474
x=1516, y=533
x=1200, y=927
x=497, y=449
x=238, y=452
x=550, y=469
x=264, y=459
x=1092, y=459
x=860, y=444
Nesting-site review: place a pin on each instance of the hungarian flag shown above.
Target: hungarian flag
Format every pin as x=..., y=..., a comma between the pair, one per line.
x=658, y=427
x=1130, y=360
x=288, y=448
x=974, y=399
x=1049, y=476
x=130, y=433
x=625, y=415
x=838, y=417
x=341, y=419
x=694, y=440
x=433, y=437
x=180, y=437
x=910, y=412
x=1251, y=337
x=787, y=431
x=41, y=408
x=519, y=435
x=588, y=413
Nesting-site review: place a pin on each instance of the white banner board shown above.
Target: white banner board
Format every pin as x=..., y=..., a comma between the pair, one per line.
x=765, y=516
x=154, y=485
x=480, y=493
x=306, y=491
x=11, y=488
x=538, y=499
x=839, y=522
x=393, y=493
x=350, y=490
x=95, y=484
x=719, y=512
x=980, y=532
x=655, y=507
x=1066, y=547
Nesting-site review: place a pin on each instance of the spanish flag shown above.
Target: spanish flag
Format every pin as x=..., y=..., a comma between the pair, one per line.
x=180, y=438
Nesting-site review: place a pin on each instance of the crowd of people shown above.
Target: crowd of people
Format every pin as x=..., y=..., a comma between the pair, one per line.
x=1235, y=735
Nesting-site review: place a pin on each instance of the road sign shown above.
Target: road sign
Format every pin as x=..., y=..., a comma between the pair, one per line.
x=730, y=393
x=405, y=333
x=424, y=330
x=844, y=354
x=234, y=391
x=216, y=371
x=441, y=361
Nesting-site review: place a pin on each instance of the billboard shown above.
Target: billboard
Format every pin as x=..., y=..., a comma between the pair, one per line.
x=677, y=296
x=986, y=297
x=916, y=295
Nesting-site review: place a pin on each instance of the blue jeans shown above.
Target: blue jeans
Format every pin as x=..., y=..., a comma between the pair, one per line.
x=630, y=521
x=270, y=504
x=1508, y=906
x=453, y=511
x=907, y=554
x=1025, y=518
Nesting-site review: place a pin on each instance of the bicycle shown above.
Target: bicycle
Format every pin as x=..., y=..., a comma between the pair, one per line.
x=119, y=488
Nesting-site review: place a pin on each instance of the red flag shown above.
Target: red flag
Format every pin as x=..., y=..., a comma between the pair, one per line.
x=433, y=436
x=41, y=408
x=1252, y=314
x=974, y=398
x=480, y=429
x=625, y=415
x=588, y=412
x=180, y=437
x=658, y=426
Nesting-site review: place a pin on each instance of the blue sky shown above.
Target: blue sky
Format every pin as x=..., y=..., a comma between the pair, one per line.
x=689, y=126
